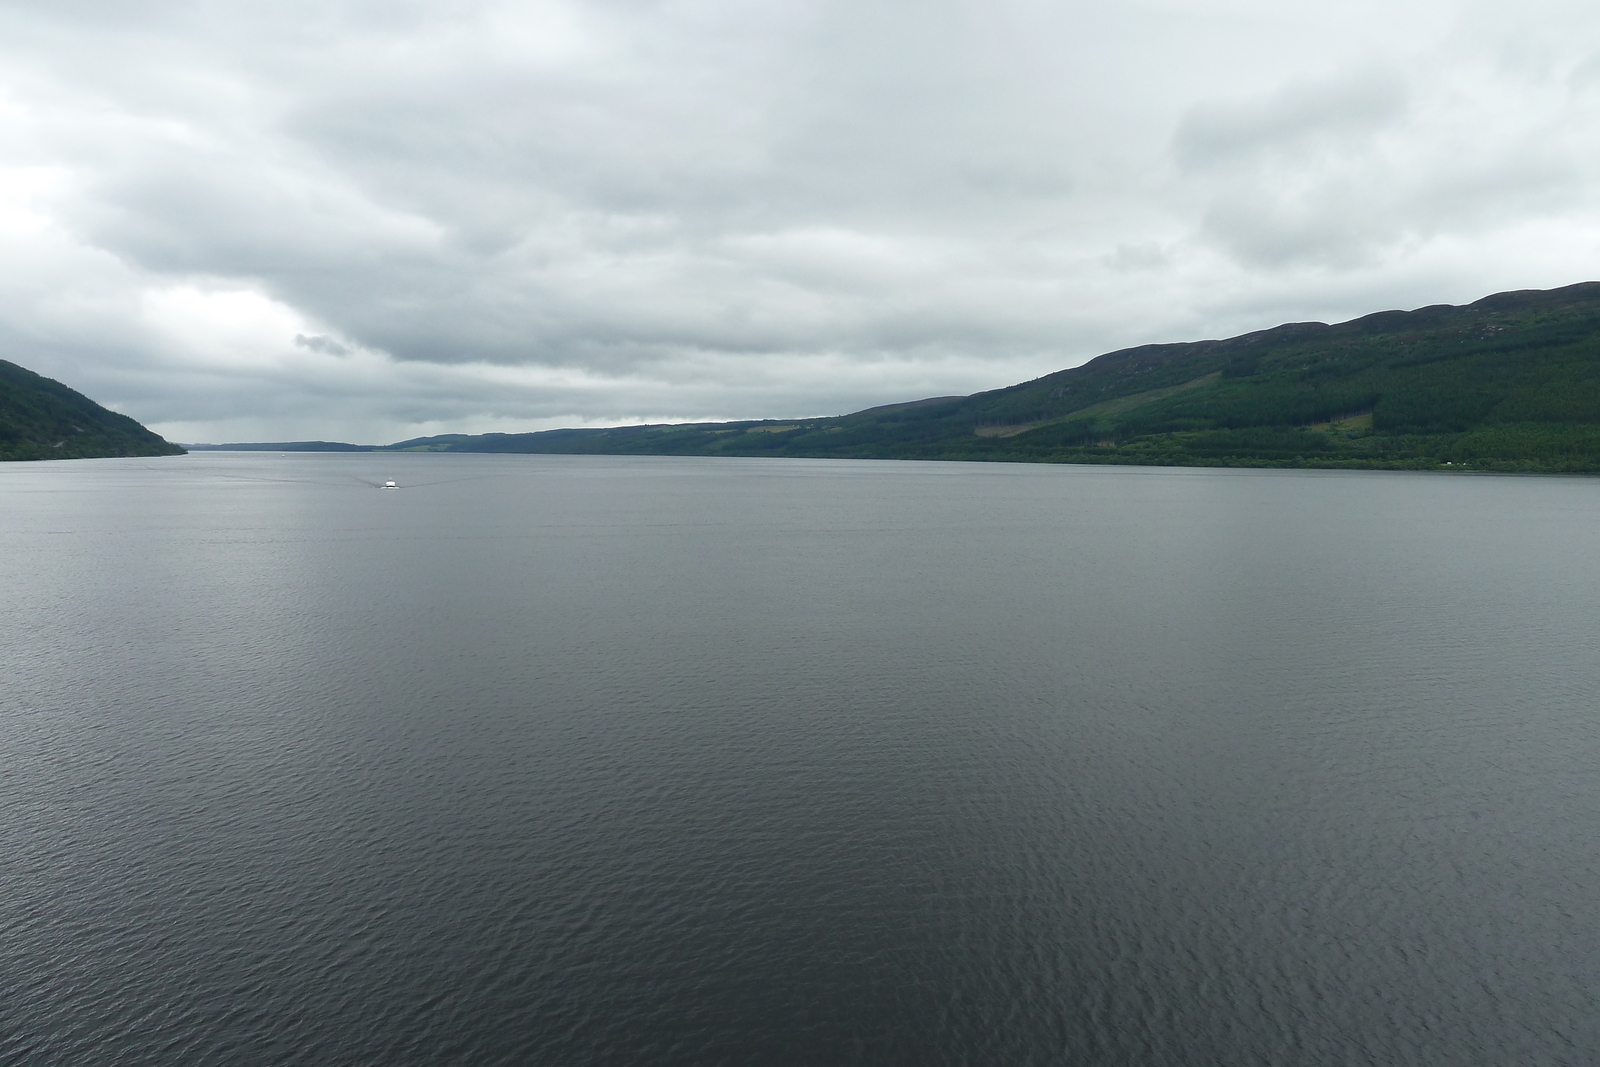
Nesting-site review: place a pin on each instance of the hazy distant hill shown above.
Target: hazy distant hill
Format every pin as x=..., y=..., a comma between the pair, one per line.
x=1511, y=382
x=43, y=419
x=283, y=446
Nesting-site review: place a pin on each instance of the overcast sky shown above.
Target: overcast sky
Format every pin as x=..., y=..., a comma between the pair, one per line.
x=371, y=220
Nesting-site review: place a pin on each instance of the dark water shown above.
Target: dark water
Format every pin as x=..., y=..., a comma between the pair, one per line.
x=609, y=761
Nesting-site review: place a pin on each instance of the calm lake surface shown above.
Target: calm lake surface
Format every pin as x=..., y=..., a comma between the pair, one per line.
x=593, y=760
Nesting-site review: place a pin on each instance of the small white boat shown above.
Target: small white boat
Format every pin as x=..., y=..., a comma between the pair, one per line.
x=388, y=485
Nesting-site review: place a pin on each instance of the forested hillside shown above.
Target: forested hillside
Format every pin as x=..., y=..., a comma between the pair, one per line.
x=1511, y=382
x=43, y=419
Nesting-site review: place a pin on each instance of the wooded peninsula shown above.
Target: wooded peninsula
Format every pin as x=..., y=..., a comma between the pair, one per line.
x=42, y=419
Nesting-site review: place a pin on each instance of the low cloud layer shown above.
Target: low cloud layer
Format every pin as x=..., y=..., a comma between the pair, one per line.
x=367, y=221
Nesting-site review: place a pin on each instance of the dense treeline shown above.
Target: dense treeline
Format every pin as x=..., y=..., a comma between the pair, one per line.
x=42, y=419
x=1511, y=382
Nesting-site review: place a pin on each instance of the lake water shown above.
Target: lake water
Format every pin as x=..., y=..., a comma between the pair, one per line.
x=596, y=760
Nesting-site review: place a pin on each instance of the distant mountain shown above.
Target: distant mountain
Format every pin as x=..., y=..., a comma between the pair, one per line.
x=1510, y=382
x=43, y=419
x=284, y=446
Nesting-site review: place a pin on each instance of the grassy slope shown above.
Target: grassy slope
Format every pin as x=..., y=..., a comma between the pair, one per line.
x=43, y=419
x=1511, y=382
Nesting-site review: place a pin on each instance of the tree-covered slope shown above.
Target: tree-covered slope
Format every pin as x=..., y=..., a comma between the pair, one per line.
x=43, y=419
x=1511, y=382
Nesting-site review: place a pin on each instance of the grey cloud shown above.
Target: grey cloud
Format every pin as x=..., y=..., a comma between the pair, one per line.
x=1362, y=171
x=1294, y=116
x=321, y=344
x=1142, y=256
x=459, y=214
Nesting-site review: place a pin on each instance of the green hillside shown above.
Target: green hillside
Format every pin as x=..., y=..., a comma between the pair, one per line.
x=1511, y=382
x=43, y=419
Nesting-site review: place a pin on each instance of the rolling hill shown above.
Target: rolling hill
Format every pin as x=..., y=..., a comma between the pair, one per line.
x=1510, y=382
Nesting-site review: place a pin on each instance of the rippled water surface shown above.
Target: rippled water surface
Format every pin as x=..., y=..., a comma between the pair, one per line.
x=571, y=760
